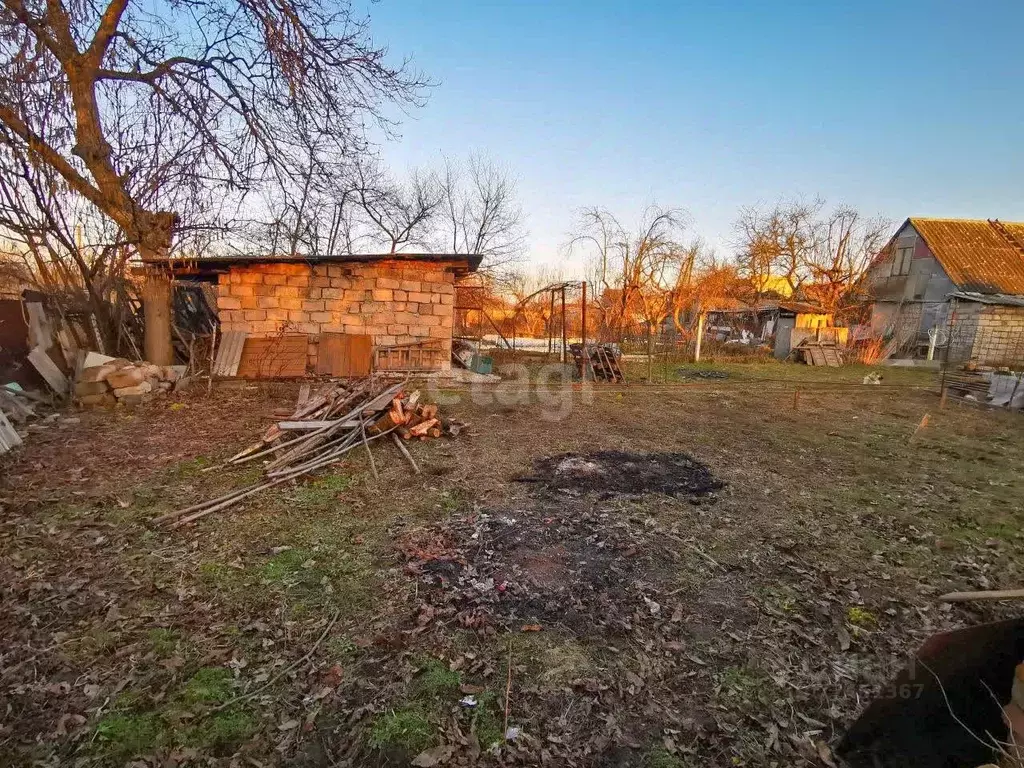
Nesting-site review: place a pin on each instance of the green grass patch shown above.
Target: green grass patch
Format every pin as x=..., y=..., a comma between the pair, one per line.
x=123, y=735
x=163, y=641
x=324, y=490
x=209, y=685
x=435, y=680
x=222, y=731
x=406, y=730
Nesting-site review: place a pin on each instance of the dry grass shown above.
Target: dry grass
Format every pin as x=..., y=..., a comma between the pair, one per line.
x=834, y=533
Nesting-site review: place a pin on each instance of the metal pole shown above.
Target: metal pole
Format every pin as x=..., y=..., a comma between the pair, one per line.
x=551, y=325
x=583, y=316
x=949, y=345
x=563, y=325
x=700, y=335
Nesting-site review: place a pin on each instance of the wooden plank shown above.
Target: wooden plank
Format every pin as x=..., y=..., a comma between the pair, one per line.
x=9, y=437
x=229, y=354
x=40, y=331
x=41, y=361
x=344, y=354
x=275, y=357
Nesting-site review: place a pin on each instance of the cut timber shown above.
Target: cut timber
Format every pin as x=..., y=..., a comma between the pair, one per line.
x=993, y=594
x=421, y=429
x=229, y=354
x=9, y=438
x=57, y=381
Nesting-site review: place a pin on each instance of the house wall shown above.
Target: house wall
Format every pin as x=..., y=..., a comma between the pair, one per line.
x=394, y=302
x=999, y=335
x=927, y=281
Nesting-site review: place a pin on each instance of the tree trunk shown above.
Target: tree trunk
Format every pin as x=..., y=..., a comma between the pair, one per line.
x=156, y=303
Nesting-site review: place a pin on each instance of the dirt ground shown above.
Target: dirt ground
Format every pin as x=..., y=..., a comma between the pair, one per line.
x=703, y=571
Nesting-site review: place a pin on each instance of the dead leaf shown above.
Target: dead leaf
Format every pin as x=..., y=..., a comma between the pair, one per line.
x=288, y=725
x=532, y=627
x=433, y=756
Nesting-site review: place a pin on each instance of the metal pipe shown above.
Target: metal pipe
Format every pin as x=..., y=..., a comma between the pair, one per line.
x=563, y=325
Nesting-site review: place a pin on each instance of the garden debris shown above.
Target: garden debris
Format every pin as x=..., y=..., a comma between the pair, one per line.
x=116, y=381
x=341, y=416
x=621, y=472
x=701, y=373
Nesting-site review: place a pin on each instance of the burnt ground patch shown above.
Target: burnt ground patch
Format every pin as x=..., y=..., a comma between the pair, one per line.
x=625, y=473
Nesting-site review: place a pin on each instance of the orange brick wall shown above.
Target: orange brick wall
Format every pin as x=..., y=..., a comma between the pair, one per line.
x=395, y=302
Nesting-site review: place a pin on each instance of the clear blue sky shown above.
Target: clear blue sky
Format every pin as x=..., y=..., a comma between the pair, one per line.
x=899, y=108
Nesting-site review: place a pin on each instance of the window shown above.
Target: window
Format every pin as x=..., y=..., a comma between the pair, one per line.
x=901, y=264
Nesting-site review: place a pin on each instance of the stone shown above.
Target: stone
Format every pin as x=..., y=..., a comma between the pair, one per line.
x=86, y=388
x=152, y=371
x=98, y=373
x=126, y=377
x=131, y=400
x=142, y=388
x=95, y=401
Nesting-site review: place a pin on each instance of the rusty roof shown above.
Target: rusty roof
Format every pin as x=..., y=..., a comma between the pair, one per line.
x=983, y=256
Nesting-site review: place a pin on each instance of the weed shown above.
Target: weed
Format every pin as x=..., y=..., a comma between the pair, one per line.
x=487, y=720
x=406, y=729
x=209, y=685
x=222, y=731
x=163, y=641
x=860, y=617
x=662, y=758
x=123, y=735
x=436, y=680
x=285, y=566
x=324, y=490
x=342, y=648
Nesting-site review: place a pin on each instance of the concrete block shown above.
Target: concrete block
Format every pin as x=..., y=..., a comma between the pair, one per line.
x=142, y=388
x=129, y=376
x=254, y=314
x=86, y=388
x=250, y=302
x=387, y=282
x=98, y=401
x=240, y=291
x=310, y=305
x=268, y=302
x=410, y=285
x=419, y=297
x=321, y=317
x=383, y=294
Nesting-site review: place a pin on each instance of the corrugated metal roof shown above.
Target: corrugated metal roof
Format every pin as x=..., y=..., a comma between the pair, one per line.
x=978, y=255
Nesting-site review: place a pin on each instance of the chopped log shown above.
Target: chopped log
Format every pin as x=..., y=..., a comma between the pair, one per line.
x=422, y=428
x=429, y=411
x=412, y=400
x=404, y=433
x=434, y=432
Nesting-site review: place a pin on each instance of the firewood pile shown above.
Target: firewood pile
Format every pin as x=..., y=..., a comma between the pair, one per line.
x=327, y=424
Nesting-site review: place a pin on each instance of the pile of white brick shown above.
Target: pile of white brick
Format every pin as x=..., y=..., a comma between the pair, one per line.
x=121, y=382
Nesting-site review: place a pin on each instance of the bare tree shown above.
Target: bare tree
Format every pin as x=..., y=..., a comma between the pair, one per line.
x=399, y=213
x=820, y=254
x=632, y=269
x=138, y=106
x=479, y=213
x=846, y=243
x=777, y=242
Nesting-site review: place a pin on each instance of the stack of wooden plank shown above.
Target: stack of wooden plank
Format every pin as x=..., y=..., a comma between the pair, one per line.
x=819, y=352
x=325, y=425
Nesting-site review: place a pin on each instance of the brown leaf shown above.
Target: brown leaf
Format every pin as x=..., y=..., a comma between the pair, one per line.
x=532, y=627
x=433, y=756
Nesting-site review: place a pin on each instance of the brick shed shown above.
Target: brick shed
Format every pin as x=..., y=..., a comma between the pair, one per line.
x=988, y=329
x=390, y=311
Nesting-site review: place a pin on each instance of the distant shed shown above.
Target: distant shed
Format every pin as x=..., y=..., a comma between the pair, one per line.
x=335, y=315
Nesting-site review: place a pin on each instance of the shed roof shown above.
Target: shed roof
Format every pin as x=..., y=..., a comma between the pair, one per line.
x=464, y=262
x=978, y=255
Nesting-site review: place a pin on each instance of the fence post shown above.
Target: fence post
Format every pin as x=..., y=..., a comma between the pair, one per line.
x=700, y=335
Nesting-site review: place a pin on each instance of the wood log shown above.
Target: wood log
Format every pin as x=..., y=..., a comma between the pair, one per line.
x=429, y=411
x=434, y=432
x=421, y=429
x=404, y=433
x=992, y=594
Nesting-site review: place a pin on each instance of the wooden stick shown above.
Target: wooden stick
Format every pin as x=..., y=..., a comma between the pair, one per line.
x=405, y=452
x=508, y=688
x=225, y=504
x=369, y=453
x=988, y=594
